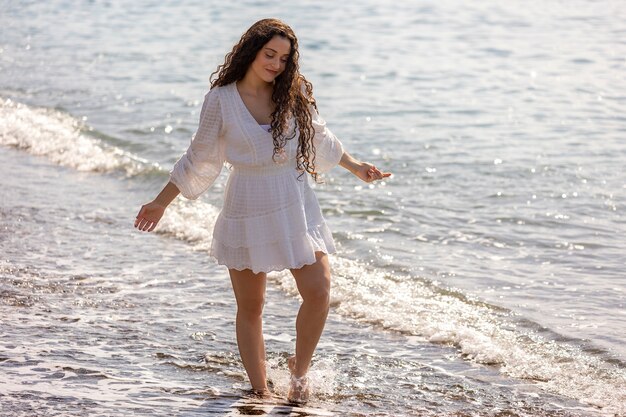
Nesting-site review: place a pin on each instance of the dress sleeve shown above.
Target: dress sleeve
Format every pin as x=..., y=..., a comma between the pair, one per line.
x=200, y=165
x=328, y=149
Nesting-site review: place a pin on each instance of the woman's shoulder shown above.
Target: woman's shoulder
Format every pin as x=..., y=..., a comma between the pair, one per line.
x=220, y=89
x=216, y=94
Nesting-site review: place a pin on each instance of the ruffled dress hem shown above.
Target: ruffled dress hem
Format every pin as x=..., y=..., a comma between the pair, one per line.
x=293, y=253
x=271, y=268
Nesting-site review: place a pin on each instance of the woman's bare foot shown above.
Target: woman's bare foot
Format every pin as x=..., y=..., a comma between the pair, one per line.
x=298, y=386
x=262, y=393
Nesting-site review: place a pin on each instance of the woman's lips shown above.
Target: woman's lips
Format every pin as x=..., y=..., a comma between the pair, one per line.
x=272, y=72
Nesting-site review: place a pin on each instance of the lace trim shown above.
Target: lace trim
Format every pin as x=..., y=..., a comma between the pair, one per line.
x=270, y=268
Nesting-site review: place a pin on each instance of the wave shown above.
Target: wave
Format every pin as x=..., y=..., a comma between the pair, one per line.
x=63, y=139
x=482, y=332
x=190, y=221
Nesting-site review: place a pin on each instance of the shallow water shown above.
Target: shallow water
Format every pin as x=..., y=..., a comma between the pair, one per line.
x=484, y=278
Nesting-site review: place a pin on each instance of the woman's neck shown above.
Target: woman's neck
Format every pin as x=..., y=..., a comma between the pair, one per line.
x=254, y=86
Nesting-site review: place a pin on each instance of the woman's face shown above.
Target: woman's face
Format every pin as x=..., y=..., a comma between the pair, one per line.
x=271, y=60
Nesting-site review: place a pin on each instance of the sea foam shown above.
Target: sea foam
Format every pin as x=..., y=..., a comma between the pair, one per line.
x=483, y=333
x=62, y=139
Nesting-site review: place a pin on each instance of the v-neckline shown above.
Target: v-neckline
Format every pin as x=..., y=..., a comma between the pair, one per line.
x=243, y=104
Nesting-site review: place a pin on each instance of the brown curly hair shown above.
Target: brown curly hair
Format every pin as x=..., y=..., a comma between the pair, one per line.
x=292, y=94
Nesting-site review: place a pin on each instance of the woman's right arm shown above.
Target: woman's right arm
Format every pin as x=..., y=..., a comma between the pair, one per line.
x=150, y=213
x=197, y=168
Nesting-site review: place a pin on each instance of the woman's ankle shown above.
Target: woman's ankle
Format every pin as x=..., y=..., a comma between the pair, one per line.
x=261, y=393
x=296, y=371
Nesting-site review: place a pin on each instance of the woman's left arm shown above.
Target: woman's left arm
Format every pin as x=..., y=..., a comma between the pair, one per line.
x=363, y=170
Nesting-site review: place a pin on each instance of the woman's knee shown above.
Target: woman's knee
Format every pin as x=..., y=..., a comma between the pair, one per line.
x=314, y=282
x=319, y=296
x=249, y=292
x=251, y=307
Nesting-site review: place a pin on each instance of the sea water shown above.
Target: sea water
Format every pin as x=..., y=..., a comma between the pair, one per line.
x=486, y=277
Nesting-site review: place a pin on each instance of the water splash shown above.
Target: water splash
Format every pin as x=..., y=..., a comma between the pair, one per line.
x=483, y=333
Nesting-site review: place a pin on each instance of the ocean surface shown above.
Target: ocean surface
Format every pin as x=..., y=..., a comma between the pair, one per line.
x=487, y=277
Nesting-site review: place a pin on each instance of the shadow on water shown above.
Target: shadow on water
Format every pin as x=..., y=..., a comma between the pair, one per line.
x=254, y=405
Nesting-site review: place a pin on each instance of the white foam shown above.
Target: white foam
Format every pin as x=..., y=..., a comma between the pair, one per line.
x=191, y=221
x=359, y=291
x=60, y=138
x=322, y=377
x=479, y=331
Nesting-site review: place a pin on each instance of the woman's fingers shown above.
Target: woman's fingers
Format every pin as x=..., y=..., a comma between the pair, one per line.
x=148, y=217
x=147, y=225
x=374, y=174
x=141, y=223
x=139, y=215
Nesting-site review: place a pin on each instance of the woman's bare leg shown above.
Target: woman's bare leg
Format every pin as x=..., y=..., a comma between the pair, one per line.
x=313, y=283
x=249, y=291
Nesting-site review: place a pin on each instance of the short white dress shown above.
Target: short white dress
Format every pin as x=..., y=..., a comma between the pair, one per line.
x=271, y=219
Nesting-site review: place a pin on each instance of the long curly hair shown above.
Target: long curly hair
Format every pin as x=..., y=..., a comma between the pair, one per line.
x=292, y=94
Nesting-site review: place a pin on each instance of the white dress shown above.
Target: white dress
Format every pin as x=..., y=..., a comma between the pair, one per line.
x=271, y=219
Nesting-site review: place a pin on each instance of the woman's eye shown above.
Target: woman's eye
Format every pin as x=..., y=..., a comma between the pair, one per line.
x=269, y=56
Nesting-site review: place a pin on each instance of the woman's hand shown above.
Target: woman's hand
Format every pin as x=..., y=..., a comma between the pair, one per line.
x=364, y=170
x=369, y=173
x=149, y=216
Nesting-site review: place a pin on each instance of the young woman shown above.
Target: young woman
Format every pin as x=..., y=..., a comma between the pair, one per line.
x=261, y=117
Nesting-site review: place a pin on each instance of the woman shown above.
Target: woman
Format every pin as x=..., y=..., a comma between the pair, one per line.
x=261, y=117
